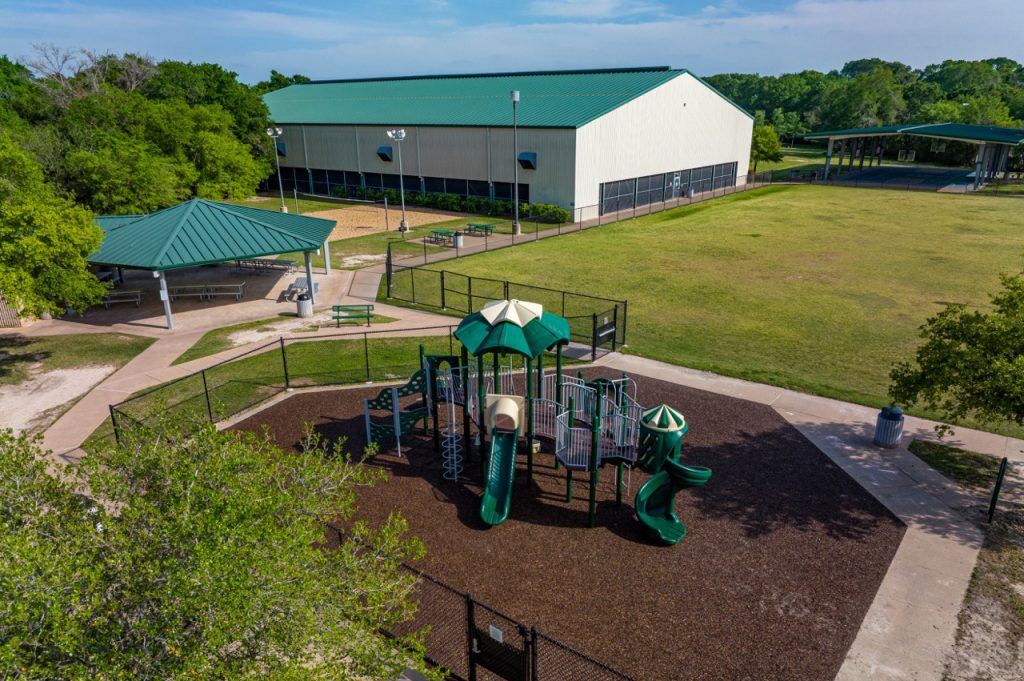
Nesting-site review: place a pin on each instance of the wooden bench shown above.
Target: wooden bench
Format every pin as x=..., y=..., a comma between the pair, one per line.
x=122, y=297
x=357, y=312
x=236, y=290
x=196, y=291
x=480, y=228
x=445, y=237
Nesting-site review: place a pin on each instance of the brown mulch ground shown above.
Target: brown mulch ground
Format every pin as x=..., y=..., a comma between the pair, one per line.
x=784, y=555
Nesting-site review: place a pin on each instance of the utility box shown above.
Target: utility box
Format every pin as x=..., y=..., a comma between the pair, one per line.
x=889, y=427
x=305, y=305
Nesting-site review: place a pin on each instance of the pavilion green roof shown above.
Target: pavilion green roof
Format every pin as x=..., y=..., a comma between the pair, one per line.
x=200, y=232
x=950, y=131
x=550, y=99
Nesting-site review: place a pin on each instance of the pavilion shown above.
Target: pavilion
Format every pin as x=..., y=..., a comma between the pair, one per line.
x=994, y=144
x=200, y=232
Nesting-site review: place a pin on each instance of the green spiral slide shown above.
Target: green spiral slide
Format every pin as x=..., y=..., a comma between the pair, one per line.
x=501, y=470
x=656, y=500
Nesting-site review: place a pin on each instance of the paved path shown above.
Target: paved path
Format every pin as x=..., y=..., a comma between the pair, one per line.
x=912, y=622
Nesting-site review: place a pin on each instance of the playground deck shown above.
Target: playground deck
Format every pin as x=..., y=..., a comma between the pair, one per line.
x=784, y=555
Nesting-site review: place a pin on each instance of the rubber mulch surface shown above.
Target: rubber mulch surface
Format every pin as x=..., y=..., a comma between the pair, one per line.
x=784, y=553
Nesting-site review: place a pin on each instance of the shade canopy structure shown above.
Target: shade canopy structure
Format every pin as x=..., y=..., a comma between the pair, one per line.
x=512, y=326
x=994, y=144
x=200, y=232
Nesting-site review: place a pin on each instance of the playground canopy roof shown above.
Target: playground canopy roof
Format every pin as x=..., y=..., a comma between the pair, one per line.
x=512, y=326
x=976, y=134
x=557, y=99
x=200, y=232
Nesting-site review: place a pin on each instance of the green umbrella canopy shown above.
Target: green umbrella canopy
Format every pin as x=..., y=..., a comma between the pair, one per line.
x=512, y=326
x=663, y=418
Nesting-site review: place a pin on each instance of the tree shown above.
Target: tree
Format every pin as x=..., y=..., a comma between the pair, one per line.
x=44, y=240
x=971, y=362
x=205, y=559
x=278, y=81
x=765, y=145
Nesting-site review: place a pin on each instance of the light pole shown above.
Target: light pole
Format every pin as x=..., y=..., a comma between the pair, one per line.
x=515, y=160
x=398, y=135
x=274, y=134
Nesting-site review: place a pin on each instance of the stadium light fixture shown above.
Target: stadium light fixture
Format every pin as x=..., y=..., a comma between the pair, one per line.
x=397, y=135
x=274, y=133
x=515, y=162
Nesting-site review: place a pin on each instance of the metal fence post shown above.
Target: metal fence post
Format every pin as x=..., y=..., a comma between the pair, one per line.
x=412, y=283
x=469, y=289
x=593, y=337
x=995, y=492
x=117, y=427
x=563, y=303
x=625, y=312
x=366, y=356
x=615, y=325
x=505, y=289
x=533, y=654
x=470, y=636
x=443, y=306
x=284, y=363
x=388, y=266
x=206, y=391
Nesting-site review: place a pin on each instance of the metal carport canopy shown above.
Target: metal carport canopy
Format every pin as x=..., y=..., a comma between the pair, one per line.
x=200, y=232
x=960, y=132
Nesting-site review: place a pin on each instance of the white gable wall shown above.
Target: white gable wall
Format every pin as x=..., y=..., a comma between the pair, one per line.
x=679, y=125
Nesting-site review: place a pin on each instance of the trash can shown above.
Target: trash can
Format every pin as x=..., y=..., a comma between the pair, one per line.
x=889, y=427
x=458, y=240
x=305, y=303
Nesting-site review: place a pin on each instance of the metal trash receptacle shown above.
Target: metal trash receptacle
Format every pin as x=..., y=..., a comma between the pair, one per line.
x=458, y=240
x=889, y=427
x=305, y=305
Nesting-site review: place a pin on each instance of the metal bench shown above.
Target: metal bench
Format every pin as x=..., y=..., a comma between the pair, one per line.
x=356, y=312
x=301, y=284
x=236, y=290
x=122, y=297
x=191, y=291
x=480, y=228
x=441, y=236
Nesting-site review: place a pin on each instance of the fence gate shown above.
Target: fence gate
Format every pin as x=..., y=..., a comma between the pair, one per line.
x=9, y=318
x=497, y=644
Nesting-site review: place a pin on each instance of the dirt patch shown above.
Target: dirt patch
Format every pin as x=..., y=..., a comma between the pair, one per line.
x=784, y=556
x=360, y=220
x=33, y=404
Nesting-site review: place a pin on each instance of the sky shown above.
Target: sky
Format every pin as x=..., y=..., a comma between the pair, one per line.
x=326, y=39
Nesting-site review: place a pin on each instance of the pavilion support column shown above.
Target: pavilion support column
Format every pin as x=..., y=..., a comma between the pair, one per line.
x=863, y=151
x=842, y=152
x=828, y=158
x=979, y=166
x=327, y=257
x=309, y=276
x=853, y=153
x=166, y=298
x=1003, y=158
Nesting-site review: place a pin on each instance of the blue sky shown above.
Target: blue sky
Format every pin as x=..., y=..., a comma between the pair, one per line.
x=343, y=39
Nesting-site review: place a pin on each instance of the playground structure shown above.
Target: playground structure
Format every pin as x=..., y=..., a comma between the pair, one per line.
x=586, y=424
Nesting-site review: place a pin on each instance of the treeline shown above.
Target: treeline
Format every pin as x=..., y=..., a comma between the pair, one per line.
x=874, y=92
x=125, y=134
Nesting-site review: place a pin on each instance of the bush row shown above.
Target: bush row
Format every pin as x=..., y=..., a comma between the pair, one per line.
x=540, y=212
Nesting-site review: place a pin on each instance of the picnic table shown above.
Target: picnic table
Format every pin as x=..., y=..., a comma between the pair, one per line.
x=301, y=284
x=484, y=228
x=264, y=265
x=445, y=237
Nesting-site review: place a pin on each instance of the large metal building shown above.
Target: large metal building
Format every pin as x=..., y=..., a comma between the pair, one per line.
x=593, y=141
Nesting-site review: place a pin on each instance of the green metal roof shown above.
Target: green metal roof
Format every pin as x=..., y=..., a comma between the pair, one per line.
x=480, y=337
x=550, y=99
x=200, y=232
x=951, y=131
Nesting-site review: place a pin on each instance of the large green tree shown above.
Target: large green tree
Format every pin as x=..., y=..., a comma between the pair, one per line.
x=971, y=362
x=765, y=145
x=204, y=557
x=44, y=240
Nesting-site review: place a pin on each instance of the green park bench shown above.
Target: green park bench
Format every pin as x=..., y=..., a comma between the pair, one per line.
x=356, y=312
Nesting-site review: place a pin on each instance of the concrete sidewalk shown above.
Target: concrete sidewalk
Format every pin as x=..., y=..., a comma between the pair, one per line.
x=911, y=625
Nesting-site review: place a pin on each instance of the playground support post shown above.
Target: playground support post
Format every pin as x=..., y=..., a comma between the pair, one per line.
x=430, y=397
x=529, y=422
x=464, y=379
x=571, y=421
x=595, y=441
x=618, y=484
x=480, y=414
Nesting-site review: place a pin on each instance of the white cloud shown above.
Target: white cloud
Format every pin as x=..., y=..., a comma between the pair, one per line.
x=591, y=9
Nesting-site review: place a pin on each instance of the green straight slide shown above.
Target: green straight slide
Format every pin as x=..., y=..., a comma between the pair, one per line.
x=501, y=470
x=656, y=500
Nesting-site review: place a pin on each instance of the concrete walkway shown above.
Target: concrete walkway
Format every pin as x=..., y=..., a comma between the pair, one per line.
x=912, y=623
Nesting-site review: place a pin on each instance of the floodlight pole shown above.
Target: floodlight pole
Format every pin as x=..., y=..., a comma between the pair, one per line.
x=399, y=135
x=515, y=162
x=274, y=133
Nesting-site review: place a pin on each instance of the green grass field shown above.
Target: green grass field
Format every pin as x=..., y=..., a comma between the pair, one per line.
x=820, y=289
x=19, y=353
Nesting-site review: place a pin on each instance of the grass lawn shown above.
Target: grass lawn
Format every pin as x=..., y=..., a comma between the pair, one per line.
x=968, y=469
x=18, y=353
x=820, y=289
x=273, y=202
x=219, y=340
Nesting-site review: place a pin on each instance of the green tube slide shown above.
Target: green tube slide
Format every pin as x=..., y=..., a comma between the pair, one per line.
x=501, y=470
x=656, y=499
